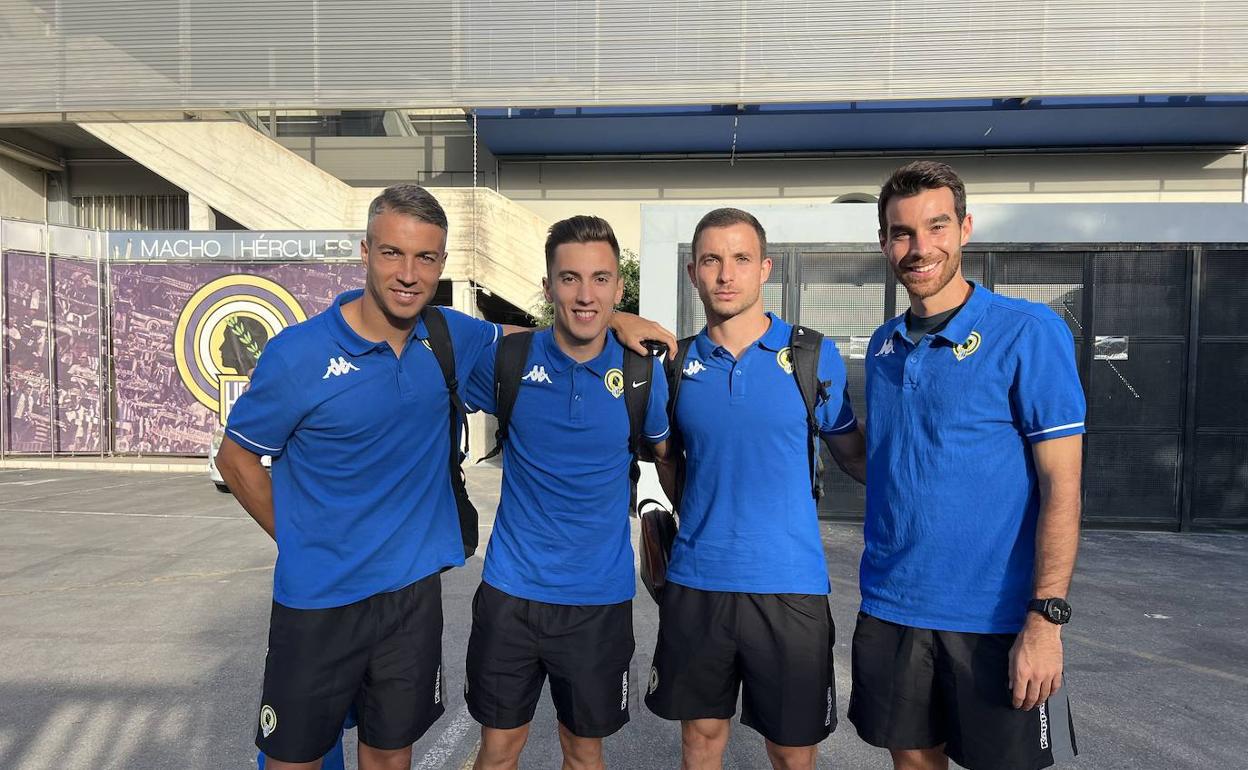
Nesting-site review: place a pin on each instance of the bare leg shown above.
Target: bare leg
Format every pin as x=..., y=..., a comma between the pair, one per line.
x=920, y=759
x=792, y=757
x=580, y=753
x=500, y=749
x=702, y=743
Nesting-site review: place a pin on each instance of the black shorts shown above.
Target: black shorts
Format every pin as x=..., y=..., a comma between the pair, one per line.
x=382, y=655
x=777, y=648
x=915, y=688
x=516, y=643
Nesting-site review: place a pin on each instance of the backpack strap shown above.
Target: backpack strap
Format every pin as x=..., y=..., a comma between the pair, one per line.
x=509, y=361
x=805, y=345
x=674, y=370
x=638, y=373
x=440, y=343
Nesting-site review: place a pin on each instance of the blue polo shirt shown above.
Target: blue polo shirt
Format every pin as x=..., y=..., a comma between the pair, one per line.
x=360, y=440
x=747, y=519
x=951, y=485
x=561, y=534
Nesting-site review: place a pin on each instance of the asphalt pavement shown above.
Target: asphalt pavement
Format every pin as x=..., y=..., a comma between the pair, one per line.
x=134, y=612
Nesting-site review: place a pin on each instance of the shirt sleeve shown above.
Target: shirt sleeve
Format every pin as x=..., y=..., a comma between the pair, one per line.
x=656, y=427
x=471, y=338
x=265, y=416
x=836, y=415
x=1046, y=395
x=479, y=394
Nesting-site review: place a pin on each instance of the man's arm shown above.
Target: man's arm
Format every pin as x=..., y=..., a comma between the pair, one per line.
x=249, y=482
x=665, y=466
x=850, y=452
x=1036, y=658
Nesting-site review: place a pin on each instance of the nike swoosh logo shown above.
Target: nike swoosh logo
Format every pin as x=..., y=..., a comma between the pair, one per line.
x=638, y=384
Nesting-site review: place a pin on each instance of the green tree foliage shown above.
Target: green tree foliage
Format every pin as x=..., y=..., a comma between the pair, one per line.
x=630, y=272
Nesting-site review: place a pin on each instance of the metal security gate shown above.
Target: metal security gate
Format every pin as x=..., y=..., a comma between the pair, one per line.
x=1161, y=343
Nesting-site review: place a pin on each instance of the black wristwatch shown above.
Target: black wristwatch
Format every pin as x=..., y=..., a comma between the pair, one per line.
x=1054, y=610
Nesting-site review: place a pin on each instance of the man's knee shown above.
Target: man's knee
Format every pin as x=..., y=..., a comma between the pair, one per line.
x=500, y=749
x=920, y=759
x=792, y=757
x=371, y=758
x=580, y=753
x=703, y=741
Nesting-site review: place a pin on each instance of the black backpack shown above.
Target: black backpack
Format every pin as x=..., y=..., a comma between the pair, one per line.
x=509, y=363
x=805, y=345
x=440, y=343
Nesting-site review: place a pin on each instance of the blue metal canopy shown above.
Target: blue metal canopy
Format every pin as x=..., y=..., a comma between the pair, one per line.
x=1083, y=122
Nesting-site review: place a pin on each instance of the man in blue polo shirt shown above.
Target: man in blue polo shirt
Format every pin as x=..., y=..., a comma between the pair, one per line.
x=556, y=594
x=974, y=423
x=354, y=407
x=745, y=607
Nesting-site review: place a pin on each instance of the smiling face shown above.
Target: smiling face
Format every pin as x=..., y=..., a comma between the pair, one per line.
x=403, y=261
x=584, y=286
x=923, y=242
x=729, y=270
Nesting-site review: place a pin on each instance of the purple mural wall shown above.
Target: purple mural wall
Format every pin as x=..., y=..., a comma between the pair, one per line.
x=76, y=319
x=180, y=332
x=27, y=388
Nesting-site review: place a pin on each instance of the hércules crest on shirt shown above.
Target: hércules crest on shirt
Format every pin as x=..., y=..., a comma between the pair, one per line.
x=222, y=331
x=785, y=359
x=966, y=348
x=614, y=380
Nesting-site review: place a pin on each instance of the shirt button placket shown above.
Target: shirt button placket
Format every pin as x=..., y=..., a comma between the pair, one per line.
x=578, y=402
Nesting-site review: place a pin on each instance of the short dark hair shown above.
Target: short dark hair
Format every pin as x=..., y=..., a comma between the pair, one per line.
x=581, y=228
x=410, y=199
x=913, y=178
x=727, y=217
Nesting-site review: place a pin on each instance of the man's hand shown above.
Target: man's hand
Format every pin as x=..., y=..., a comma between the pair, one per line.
x=633, y=330
x=1036, y=662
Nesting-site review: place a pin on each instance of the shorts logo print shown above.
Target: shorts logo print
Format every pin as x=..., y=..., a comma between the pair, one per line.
x=268, y=721
x=654, y=680
x=437, y=686
x=614, y=380
x=1044, y=726
x=827, y=715
x=624, y=693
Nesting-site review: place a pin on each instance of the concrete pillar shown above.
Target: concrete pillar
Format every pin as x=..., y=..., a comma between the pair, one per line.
x=200, y=215
x=481, y=426
x=21, y=191
x=60, y=205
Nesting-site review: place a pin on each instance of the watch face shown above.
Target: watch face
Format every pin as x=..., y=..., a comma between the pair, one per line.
x=1057, y=610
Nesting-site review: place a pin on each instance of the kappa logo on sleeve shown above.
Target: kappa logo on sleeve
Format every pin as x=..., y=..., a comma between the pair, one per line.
x=693, y=367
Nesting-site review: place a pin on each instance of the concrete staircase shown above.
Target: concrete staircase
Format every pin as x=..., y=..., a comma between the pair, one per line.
x=239, y=171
